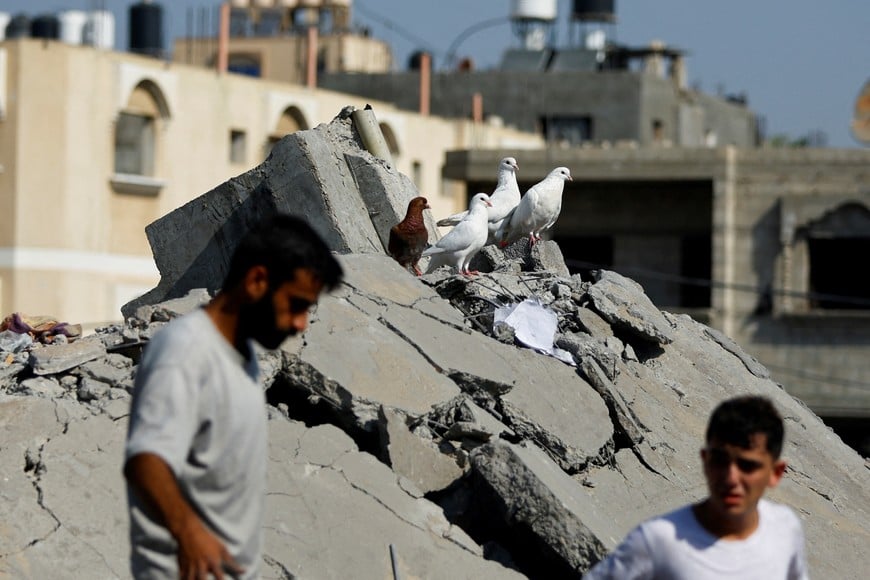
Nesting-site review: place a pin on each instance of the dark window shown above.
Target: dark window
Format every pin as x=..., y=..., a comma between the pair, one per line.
x=586, y=253
x=836, y=281
x=696, y=269
x=134, y=144
x=238, y=145
x=574, y=130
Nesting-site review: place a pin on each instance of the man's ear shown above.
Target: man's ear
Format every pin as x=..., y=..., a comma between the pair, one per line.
x=778, y=471
x=256, y=283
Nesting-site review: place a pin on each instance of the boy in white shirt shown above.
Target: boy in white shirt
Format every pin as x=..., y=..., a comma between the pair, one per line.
x=733, y=533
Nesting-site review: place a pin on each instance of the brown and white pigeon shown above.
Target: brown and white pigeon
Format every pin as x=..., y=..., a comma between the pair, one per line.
x=409, y=237
x=464, y=241
x=537, y=211
x=504, y=199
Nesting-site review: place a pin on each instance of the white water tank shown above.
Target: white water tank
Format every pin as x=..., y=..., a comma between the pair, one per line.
x=240, y=3
x=72, y=26
x=99, y=30
x=5, y=17
x=533, y=10
x=596, y=40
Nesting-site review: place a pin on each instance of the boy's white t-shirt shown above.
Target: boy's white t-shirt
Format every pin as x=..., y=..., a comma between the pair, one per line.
x=676, y=547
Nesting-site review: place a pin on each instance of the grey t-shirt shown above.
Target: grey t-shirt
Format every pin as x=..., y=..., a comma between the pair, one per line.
x=197, y=405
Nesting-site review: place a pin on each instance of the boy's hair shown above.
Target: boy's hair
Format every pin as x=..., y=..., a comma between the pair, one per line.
x=735, y=421
x=283, y=244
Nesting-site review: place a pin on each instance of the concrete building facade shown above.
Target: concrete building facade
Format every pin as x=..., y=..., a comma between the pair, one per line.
x=95, y=145
x=574, y=105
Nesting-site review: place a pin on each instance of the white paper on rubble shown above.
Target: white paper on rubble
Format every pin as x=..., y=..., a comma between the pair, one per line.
x=534, y=325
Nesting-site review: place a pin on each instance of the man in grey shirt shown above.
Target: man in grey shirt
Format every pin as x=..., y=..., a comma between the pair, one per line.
x=195, y=459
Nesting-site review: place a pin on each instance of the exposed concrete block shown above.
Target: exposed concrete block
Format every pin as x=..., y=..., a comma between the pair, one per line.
x=53, y=359
x=411, y=457
x=622, y=302
x=537, y=495
x=322, y=174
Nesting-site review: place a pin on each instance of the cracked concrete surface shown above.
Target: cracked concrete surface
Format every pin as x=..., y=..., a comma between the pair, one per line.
x=582, y=454
x=553, y=464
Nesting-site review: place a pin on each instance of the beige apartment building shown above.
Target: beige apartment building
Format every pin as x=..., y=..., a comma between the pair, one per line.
x=95, y=145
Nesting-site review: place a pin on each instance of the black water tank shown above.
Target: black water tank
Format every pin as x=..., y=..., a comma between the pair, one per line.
x=45, y=26
x=594, y=10
x=415, y=61
x=146, y=29
x=18, y=26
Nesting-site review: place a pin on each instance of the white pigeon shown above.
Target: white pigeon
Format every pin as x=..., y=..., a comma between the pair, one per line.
x=537, y=211
x=464, y=241
x=504, y=199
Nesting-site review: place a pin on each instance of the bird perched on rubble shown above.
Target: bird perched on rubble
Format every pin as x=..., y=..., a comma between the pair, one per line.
x=464, y=241
x=504, y=198
x=537, y=211
x=409, y=237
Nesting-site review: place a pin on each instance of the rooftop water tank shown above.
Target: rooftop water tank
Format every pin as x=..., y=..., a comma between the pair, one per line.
x=533, y=10
x=594, y=10
x=18, y=27
x=45, y=26
x=146, y=28
x=72, y=26
x=5, y=17
x=99, y=30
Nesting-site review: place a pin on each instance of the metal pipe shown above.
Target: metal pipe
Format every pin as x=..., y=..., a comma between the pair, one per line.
x=395, y=562
x=370, y=131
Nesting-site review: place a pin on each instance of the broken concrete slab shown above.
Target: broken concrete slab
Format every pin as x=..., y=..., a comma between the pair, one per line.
x=40, y=387
x=58, y=358
x=374, y=344
x=536, y=495
x=113, y=369
x=82, y=487
x=348, y=196
x=623, y=303
x=26, y=425
x=752, y=365
x=9, y=374
x=410, y=456
x=169, y=309
x=381, y=276
x=356, y=505
x=363, y=365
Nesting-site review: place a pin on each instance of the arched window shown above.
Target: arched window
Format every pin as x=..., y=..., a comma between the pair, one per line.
x=137, y=131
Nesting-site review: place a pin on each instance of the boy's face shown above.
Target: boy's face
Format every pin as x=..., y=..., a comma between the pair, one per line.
x=737, y=477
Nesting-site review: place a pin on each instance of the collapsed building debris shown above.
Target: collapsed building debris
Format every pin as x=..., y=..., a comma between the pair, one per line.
x=404, y=424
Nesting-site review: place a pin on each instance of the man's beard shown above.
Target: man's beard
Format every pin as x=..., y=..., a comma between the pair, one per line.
x=257, y=321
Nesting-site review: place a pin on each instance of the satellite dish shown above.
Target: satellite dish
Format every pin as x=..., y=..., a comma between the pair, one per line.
x=861, y=122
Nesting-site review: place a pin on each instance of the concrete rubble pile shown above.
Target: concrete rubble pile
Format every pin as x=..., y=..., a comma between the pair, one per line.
x=404, y=422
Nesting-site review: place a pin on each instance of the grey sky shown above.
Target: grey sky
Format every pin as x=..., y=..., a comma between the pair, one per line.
x=800, y=62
